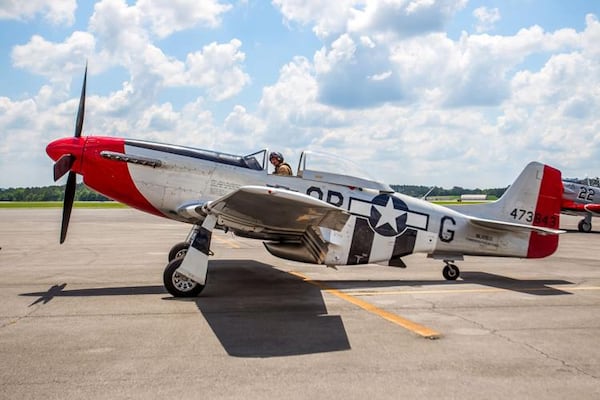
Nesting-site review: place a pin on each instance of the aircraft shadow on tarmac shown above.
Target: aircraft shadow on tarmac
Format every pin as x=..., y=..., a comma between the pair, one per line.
x=586, y=233
x=538, y=287
x=256, y=310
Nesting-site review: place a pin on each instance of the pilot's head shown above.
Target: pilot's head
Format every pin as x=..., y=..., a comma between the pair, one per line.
x=276, y=158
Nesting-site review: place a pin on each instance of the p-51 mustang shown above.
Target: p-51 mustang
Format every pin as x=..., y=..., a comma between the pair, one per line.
x=582, y=197
x=322, y=215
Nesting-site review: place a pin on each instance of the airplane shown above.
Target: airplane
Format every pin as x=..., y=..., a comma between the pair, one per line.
x=581, y=197
x=324, y=214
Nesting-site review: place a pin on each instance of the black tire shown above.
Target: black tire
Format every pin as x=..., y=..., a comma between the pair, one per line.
x=584, y=226
x=451, y=272
x=177, y=284
x=178, y=251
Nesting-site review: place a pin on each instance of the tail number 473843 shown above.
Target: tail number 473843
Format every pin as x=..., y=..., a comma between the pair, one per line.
x=529, y=216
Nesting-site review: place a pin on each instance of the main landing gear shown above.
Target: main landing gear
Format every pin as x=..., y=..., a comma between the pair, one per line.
x=585, y=225
x=178, y=284
x=185, y=274
x=450, y=271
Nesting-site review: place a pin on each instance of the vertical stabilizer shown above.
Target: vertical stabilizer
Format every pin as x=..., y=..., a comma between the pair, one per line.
x=534, y=199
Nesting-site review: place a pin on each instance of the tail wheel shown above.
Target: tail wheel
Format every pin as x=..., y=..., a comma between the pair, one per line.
x=178, y=284
x=451, y=272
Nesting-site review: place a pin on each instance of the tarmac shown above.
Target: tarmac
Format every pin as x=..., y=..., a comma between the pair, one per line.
x=90, y=319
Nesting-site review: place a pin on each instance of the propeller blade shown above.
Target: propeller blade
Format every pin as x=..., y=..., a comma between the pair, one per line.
x=63, y=165
x=68, y=205
x=81, y=110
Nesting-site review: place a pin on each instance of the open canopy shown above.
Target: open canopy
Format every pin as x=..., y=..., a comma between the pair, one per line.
x=333, y=169
x=323, y=167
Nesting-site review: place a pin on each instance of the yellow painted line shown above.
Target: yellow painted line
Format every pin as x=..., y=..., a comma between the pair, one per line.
x=394, y=318
x=458, y=291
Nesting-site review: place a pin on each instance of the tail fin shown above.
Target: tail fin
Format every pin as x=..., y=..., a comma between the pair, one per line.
x=534, y=199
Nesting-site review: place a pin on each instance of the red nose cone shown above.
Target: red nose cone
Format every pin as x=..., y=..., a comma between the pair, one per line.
x=70, y=145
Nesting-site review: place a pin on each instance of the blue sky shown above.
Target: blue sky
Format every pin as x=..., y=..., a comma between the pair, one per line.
x=431, y=92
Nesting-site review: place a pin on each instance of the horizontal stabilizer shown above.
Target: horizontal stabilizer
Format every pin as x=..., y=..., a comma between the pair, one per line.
x=513, y=227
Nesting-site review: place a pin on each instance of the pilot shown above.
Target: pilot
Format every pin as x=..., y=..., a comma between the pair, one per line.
x=281, y=167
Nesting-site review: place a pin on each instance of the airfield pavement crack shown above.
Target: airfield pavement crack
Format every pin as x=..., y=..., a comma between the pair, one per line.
x=497, y=333
x=17, y=319
x=548, y=356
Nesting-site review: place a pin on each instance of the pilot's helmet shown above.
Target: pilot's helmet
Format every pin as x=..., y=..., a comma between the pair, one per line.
x=277, y=155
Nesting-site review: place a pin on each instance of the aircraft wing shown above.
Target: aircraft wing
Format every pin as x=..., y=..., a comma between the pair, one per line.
x=512, y=227
x=273, y=211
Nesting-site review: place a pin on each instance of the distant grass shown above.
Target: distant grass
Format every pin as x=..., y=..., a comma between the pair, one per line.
x=59, y=204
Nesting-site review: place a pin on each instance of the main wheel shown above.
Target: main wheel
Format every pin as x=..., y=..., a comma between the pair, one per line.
x=451, y=272
x=178, y=284
x=178, y=251
x=584, y=226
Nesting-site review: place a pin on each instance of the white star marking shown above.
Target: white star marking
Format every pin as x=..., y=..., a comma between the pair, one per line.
x=388, y=214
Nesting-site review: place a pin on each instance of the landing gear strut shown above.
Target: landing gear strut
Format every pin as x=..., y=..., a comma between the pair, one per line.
x=179, y=250
x=450, y=271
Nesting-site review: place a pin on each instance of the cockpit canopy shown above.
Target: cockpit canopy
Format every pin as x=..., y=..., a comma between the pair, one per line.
x=586, y=181
x=329, y=168
x=323, y=167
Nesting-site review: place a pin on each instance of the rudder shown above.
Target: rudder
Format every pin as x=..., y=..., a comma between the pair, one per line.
x=547, y=214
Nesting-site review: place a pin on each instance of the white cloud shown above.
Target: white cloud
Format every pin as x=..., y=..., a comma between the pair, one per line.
x=241, y=123
x=168, y=16
x=342, y=51
x=56, y=11
x=591, y=37
x=120, y=28
x=398, y=17
x=328, y=17
x=403, y=18
x=486, y=18
x=117, y=37
x=530, y=114
x=346, y=72
x=218, y=69
x=56, y=61
x=380, y=77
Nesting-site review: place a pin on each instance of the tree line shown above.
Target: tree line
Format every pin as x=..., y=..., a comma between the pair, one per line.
x=49, y=193
x=456, y=191
x=83, y=193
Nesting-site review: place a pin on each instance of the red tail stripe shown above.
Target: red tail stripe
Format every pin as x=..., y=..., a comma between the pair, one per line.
x=547, y=213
